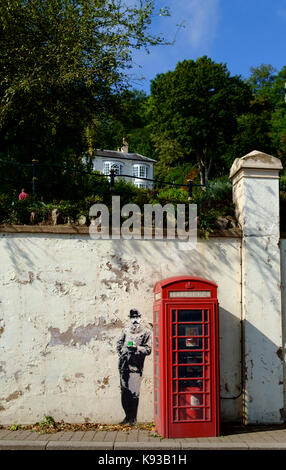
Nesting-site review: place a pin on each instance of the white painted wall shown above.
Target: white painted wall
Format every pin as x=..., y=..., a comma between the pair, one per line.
x=64, y=300
x=283, y=297
x=255, y=179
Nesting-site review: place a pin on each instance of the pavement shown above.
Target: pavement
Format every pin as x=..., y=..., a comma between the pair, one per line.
x=233, y=437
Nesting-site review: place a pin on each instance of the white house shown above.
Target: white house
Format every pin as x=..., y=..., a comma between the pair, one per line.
x=132, y=166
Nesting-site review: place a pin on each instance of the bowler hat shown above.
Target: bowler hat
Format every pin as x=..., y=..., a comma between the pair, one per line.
x=134, y=313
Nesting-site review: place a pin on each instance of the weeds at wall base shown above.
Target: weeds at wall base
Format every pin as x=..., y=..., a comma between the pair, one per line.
x=49, y=426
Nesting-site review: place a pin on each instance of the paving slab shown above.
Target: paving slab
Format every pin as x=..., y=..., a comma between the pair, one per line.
x=133, y=435
x=98, y=436
x=22, y=445
x=266, y=446
x=162, y=445
x=55, y=436
x=88, y=436
x=79, y=445
x=16, y=435
x=110, y=436
x=4, y=433
x=66, y=436
x=144, y=436
x=214, y=446
x=34, y=436
x=78, y=435
x=122, y=437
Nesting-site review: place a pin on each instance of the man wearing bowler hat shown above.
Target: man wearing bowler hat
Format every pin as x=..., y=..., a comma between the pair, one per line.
x=133, y=346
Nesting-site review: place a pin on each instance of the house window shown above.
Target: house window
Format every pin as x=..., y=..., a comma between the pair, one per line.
x=140, y=185
x=140, y=171
x=108, y=166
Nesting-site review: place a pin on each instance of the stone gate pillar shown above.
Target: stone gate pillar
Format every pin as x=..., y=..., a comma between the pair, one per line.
x=255, y=179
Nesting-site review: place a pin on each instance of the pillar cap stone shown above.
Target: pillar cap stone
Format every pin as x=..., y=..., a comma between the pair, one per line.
x=255, y=160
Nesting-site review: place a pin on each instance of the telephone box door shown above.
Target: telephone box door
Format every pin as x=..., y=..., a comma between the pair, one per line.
x=192, y=381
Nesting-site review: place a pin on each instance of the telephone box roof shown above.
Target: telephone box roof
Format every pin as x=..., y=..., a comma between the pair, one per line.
x=172, y=280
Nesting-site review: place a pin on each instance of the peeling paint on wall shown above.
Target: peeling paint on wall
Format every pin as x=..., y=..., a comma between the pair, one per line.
x=14, y=395
x=103, y=383
x=64, y=302
x=2, y=324
x=81, y=335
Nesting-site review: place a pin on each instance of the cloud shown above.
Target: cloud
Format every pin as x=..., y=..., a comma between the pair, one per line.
x=202, y=21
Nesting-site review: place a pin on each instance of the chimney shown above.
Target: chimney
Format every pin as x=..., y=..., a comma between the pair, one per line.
x=124, y=147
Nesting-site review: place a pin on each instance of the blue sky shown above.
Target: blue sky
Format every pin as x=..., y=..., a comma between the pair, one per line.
x=239, y=33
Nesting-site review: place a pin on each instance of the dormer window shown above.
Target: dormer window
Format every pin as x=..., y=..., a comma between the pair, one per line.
x=140, y=170
x=108, y=166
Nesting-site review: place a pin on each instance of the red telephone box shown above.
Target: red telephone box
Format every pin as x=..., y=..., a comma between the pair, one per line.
x=186, y=358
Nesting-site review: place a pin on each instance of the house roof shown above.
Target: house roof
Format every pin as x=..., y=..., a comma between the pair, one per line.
x=123, y=155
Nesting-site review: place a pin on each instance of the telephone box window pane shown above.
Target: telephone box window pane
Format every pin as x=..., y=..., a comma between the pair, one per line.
x=190, y=358
x=156, y=317
x=156, y=410
x=156, y=330
x=157, y=343
x=187, y=385
x=175, y=400
x=173, y=315
x=206, y=330
x=174, y=331
x=190, y=315
x=190, y=371
x=206, y=317
x=190, y=330
x=190, y=343
x=174, y=372
x=174, y=343
x=174, y=386
x=190, y=414
x=174, y=358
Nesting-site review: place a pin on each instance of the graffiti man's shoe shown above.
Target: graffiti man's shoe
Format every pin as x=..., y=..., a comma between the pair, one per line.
x=125, y=421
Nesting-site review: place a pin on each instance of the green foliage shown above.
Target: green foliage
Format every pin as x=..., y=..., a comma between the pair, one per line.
x=47, y=421
x=213, y=202
x=60, y=64
x=283, y=183
x=193, y=112
x=171, y=195
x=14, y=427
x=261, y=80
x=219, y=190
x=179, y=173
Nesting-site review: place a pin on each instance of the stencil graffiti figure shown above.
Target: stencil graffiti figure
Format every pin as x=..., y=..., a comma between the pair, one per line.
x=133, y=346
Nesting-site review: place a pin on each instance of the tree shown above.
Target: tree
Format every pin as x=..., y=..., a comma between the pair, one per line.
x=60, y=64
x=126, y=119
x=261, y=80
x=278, y=118
x=194, y=112
x=264, y=127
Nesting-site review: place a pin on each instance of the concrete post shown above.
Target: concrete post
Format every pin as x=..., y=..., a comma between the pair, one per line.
x=255, y=179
